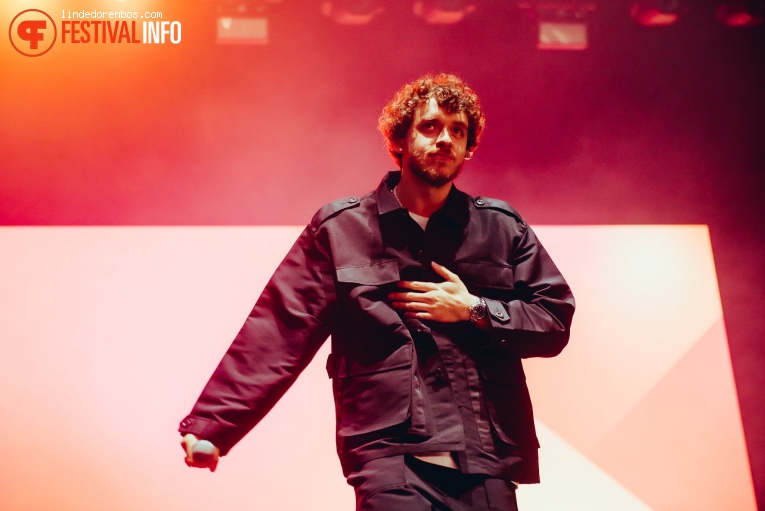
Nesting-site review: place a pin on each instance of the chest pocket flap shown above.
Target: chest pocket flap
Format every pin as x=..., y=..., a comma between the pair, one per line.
x=485, y=275
x=373, y=274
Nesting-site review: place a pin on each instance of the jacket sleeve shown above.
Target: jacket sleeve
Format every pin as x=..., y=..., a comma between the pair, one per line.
x=537, y=321
x=285, y=329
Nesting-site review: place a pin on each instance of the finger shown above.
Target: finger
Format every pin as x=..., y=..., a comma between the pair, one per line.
x=410, y=305
x=416, y=285
x=212, y=464
x=195, y=464
x=187, y=443
x=410, y=297
x=444, y=272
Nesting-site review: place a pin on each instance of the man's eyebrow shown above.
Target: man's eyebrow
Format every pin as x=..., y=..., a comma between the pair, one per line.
x=459, y=124
x=431, y=118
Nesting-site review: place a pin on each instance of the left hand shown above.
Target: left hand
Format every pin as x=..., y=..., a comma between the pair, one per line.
x=446, y=302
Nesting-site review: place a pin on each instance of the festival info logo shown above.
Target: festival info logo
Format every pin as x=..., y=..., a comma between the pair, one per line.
x=32, y=32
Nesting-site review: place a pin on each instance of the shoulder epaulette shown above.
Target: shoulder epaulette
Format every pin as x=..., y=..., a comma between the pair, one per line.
x=333, y=208
x=496, y=204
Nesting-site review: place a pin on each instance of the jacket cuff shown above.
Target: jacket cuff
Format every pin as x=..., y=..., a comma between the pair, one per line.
x=498, y=318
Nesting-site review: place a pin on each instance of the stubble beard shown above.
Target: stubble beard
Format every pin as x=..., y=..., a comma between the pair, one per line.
x=434, y=175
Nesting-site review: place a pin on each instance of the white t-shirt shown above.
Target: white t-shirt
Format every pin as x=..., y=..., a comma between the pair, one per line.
x=421, y=220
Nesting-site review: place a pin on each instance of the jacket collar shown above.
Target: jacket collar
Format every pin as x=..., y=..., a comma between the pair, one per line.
x=457, y=206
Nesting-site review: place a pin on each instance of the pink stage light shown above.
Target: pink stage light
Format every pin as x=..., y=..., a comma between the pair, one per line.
x=651, y=13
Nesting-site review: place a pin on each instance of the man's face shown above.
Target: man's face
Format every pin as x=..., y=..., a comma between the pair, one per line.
x=435, y=145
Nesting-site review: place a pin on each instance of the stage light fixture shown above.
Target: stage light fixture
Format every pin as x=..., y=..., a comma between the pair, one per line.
x=442, y=12
x=562, y=24
x=242, y=21
x=352, y=12
x=741, y=13
x=652, y=13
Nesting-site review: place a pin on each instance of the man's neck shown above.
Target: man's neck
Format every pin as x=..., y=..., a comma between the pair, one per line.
x=419, y=197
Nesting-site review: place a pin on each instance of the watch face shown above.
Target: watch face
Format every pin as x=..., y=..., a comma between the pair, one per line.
x=478, y=311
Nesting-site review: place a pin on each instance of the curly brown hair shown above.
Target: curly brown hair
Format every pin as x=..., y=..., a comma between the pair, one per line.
x=450, y=92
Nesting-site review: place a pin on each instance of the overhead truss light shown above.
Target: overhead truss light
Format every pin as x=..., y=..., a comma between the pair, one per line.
x=352, y=12
x=562, y=24
x=442, y=12
x=242, y=21
x=741, y=13
x=652, y=13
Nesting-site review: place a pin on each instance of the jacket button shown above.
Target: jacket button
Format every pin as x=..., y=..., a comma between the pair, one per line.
x=503, y=342
x=352, y=200
x=480, y=202
x=500, y=314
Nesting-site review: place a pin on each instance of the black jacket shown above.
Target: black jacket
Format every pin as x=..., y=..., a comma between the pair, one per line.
x=335, y=280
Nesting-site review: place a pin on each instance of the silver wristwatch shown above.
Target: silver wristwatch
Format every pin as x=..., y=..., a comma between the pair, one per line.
x=478, y=311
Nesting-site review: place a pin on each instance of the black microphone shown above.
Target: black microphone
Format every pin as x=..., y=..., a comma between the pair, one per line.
x=203, y=452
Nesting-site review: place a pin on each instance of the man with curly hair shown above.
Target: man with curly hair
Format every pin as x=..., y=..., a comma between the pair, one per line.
x=432, y=298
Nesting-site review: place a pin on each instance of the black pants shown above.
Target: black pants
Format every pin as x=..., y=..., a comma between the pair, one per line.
x=404, y=483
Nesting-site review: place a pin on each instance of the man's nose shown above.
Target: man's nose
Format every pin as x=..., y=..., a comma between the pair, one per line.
x=444, y=137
